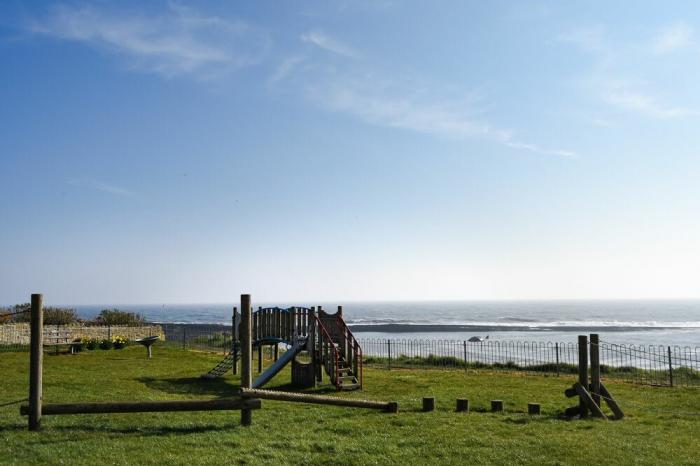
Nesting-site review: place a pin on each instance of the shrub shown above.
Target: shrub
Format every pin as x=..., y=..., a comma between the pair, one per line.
x=117, y=317
x=106, y=344
x=119, y=342
x=78, y=344
x=90, y=343
x=59, y=316
x=52, y=315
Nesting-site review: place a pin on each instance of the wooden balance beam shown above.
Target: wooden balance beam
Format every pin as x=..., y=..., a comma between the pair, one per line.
x=145, y=406
x=386, y=406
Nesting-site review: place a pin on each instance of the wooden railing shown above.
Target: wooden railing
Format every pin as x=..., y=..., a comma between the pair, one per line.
x=330, y=355
x=350, y=348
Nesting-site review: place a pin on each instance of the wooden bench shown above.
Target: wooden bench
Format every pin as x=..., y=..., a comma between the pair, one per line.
x=58, y=338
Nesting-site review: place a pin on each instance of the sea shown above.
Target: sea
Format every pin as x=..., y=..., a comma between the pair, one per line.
x=648, y=322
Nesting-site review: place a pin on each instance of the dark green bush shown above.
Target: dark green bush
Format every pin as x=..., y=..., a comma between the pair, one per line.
x=117, y=317
x=90, y=343
x=106, y=344
x=52, y=315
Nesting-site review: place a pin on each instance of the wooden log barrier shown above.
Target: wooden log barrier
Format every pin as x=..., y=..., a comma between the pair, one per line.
x=428, y=404
x=386, y=406
x=50, y=409
x=497, y=406
x=462, y=405
x=533, y=408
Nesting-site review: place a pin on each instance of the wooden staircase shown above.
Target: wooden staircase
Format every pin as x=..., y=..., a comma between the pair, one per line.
x=343, y=349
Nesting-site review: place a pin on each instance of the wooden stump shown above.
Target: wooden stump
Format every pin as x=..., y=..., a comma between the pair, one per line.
x=428, y=404
x=497, y=406
x=533, y=408
x=462, y=405
x=393, y=407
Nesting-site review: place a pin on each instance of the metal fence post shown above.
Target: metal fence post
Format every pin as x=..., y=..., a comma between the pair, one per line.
x=184, y=337
x=556, y=350
x=465, y=354
x=388, y=347
x=670, y=367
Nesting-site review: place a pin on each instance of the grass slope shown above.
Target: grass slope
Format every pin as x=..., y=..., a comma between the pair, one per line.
x=293, y=433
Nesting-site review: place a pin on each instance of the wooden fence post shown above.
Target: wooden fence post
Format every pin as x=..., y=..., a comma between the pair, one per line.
x=36, y=360
x=583, y=370
x=595, y=368
x=670, y=367
x=246, y=354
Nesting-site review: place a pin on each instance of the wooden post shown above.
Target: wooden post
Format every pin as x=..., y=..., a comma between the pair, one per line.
x=595, y=368
x=533, y=408
x=36, y=361
x=462, y=405
x=670, y=367
x=556, y=350
x=497, y=406
x=246, y=354
x=428, y=403
x=235, y=340
x=583, y=370
x=260, y=356
x=340, y=311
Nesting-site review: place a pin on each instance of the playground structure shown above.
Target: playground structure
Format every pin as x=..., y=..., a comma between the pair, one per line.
x=299, y=328
x=325, y=337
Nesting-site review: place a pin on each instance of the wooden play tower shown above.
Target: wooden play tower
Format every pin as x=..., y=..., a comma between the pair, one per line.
x=329, y=345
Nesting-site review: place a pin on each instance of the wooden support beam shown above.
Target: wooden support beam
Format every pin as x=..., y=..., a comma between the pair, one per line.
x=387, y=406
x=50, y=409
x=595, y=368
x=583, y=370
x=611, y=402
x=588, y=402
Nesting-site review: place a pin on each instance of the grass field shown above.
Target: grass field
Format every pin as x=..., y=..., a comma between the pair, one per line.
x=656, y=430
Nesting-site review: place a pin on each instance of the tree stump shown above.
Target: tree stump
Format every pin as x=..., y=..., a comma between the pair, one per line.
x=533, y=408
x=462, y=405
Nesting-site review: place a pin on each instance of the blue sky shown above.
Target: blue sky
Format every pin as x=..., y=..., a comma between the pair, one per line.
x=162, y=152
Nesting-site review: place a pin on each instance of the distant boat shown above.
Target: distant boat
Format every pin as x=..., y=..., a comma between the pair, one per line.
x=478, y=339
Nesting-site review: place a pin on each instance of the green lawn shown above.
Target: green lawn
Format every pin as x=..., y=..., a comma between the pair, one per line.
x=654, y=432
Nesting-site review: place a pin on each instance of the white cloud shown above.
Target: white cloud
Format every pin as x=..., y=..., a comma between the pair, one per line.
x=385, y=103
x=674, y=37
x=99, y=186
x=285, y=68
x=177, y=42
x=327, y=43
x=645, y=105
x=615, y=65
